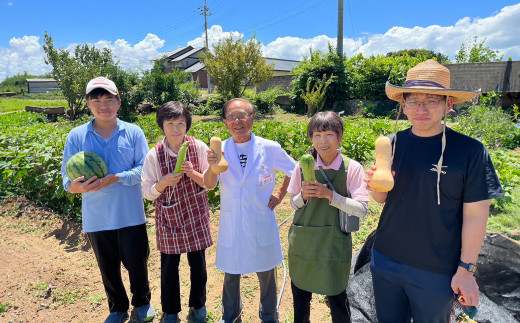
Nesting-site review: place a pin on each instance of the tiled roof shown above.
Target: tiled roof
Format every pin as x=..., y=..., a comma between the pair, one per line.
x=188, y=54
x=282, y=64
x=195, y=67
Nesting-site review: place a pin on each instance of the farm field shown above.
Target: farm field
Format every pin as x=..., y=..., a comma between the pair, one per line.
x=10, y=105
x=50, y=273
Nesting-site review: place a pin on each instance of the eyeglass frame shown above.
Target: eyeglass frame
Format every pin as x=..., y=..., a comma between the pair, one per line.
x=424, y=104
x=230, y=119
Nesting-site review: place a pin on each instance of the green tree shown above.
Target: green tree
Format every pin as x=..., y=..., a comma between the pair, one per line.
x=372, y=73
x=474, y=51
x=72, y=71
x=126, y=81
x=158, y=87
x=314, y=68
x=416, y=52
x=236, y=64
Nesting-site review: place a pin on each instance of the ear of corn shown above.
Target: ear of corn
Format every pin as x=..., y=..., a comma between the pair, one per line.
x=307, y=165
x=181, y=157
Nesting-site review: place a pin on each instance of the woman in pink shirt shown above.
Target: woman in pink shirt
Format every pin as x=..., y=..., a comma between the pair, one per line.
x=319, y=251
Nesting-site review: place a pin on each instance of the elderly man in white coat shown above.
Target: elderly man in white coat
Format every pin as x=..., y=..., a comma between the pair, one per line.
x=248, y=239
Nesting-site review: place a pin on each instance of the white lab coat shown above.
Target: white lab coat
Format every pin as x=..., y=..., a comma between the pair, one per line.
x=248, y=239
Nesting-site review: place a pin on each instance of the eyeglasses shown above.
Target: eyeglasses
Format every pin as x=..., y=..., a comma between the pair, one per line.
x=242, y=117
x=430, y=104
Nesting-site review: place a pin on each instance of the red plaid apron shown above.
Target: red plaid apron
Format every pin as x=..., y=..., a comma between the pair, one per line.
x=182, y=222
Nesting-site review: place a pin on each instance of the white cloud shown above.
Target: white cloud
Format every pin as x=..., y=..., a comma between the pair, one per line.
x=23, y=54
x=26, y=53
x=498, y=31
x=295, y=48
x=9, y=3
x=137, y=56
x=215, y=33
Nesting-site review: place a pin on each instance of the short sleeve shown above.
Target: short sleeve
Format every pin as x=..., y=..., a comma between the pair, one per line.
x=295, y=185
x=355, y=184
x=482, y=182
x=284, y=162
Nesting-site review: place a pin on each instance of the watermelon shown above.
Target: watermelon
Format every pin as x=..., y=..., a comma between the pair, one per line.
x=86, y=163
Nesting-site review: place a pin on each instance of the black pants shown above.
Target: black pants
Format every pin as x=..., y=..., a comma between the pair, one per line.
x=339, y=306
x=170, y=288
x=128, y=246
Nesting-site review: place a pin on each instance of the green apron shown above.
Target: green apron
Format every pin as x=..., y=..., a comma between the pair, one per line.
x=319, y=252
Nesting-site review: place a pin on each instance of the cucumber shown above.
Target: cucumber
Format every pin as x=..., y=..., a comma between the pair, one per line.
x=307, y=165
x=181, y=157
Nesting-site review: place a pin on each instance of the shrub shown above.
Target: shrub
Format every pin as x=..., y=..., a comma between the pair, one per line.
x=215, y=103
x=265, y=101
x=188, y=92
x=488, y=124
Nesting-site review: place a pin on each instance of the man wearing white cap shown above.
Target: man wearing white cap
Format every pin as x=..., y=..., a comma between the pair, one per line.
x=112, y=207
x=434, y=219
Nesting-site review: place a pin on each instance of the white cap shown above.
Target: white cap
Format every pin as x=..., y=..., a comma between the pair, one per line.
x=102, y=83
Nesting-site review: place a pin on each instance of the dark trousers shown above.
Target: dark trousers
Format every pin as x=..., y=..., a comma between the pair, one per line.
x=170, y=288
x=403, y=292
x=128, y=246
x=339, y=306
x=232, y=302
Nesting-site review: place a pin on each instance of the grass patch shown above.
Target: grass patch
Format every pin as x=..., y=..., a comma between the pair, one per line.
x=508, y=221
x=69, y=296
x=5, y=307
x=40, y=289
x=9, y=104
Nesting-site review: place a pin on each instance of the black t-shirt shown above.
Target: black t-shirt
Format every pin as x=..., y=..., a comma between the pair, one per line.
x=413, y=228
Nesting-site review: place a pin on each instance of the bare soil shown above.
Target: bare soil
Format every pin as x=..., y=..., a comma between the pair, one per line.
x=49, y=273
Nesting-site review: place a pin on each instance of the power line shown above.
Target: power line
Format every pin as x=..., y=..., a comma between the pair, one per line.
x=267, y=24
x=351, y=22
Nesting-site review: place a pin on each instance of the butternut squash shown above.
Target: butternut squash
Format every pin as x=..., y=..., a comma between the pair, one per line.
x=215, y=143
x=382, y=180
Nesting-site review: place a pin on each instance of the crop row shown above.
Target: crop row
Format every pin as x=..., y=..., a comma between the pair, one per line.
x=31, y=151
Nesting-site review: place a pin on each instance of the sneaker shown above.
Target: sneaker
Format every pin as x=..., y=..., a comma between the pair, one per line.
x=146, y=312
x=116, y=317
x=200, y=315
x=169, y=318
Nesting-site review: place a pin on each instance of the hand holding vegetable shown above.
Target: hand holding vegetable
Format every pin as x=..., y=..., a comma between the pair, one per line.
x=187, y=168
x=381, y=178
x=220, y=165
x=169, y=180
x=316, y=189
x=181, y=157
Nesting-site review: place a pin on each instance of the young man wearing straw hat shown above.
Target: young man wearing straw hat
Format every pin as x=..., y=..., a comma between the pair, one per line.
x=434, y=219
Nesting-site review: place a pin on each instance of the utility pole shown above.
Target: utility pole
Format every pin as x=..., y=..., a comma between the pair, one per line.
x=339, y=43
x=205, y=10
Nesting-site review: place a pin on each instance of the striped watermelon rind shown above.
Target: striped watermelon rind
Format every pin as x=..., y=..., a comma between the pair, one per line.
x=86, y=163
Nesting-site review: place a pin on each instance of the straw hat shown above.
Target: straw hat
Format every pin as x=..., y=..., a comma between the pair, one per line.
x=432, y=78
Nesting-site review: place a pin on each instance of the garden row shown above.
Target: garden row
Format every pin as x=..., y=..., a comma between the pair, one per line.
x=31, y=149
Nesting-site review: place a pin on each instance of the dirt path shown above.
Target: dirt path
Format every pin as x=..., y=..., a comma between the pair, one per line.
x=49, y=274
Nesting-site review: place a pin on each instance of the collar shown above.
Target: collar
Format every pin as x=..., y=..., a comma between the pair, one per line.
x=119, y=127
x=336, y=163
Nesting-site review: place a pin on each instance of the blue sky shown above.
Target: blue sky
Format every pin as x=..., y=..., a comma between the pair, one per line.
x=137, y=31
